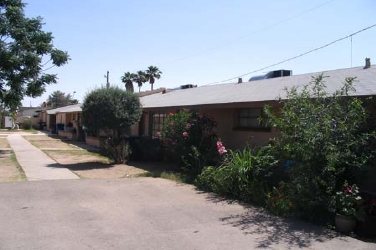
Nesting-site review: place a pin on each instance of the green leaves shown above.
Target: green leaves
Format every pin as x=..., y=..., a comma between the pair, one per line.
x=112, y=111
x=326, y=136
x=23, y=45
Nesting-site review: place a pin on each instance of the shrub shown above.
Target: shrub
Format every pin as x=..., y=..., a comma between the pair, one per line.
x=279, y=201
x=145, y=149
x=190, y=140
x=247, y=175
x=27, y=124
x=117, y=148
x=113, y=111
x=324, y=141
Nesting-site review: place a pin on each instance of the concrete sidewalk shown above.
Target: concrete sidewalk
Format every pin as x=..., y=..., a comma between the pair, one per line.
x=36, y=164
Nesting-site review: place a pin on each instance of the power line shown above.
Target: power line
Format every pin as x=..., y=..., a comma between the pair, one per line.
x=292, y=58
x=253, y=33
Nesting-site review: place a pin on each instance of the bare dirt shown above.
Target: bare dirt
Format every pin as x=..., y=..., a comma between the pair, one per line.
x=4, y=142
x=92, y=165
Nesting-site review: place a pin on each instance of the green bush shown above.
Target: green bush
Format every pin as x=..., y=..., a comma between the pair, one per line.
x=145, y=149
x=247, y=175
x=279, y=201
x=27, y=124
x=113, y=111
x=324, y=141
x=190, y=141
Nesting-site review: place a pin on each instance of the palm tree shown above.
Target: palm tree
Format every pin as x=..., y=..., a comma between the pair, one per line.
x=127, y=78
x=140, y=78
x=152, y=73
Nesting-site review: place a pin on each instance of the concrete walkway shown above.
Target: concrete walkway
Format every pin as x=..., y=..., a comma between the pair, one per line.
x=36, y=164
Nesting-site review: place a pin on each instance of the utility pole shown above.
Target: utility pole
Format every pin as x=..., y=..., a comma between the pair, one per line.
x=108, y=82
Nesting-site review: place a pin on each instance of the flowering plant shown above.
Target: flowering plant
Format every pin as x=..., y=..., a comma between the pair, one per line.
x=189, y=139
x=221, y=149
x=348, y=202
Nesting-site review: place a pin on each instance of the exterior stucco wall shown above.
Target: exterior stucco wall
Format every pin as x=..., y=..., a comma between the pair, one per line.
x=225, y=116
x=237, y=139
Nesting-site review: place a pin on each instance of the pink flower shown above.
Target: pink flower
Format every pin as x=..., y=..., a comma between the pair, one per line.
x=185, y=134
x=221, y=148
x=171, y=114
x=158, y=133
x=188, y=125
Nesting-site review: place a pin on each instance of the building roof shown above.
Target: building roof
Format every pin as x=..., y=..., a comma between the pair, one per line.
x=262, y=90
x=66, y=109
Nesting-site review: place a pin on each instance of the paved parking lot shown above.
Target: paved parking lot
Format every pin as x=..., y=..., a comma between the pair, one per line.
x=144, y=213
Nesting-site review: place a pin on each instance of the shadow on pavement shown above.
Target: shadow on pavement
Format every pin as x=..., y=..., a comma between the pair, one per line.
x=82, y=166
x=271, y=230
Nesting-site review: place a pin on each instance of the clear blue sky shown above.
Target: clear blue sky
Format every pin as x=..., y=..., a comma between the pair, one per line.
x=200, y=41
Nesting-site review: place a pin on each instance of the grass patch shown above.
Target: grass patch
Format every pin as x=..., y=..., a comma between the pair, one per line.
x=168, y=175
x=18, y=166
x=163, y=170
x=10, y=170
x=178, y=177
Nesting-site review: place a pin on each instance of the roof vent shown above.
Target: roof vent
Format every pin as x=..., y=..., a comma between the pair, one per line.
x=368, y=63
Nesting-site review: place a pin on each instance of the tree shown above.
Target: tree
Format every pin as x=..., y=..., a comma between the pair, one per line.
x=24, y=51
x=140, y=79
x=60, y=99
x=113, y=111
x=152, y=73
x=127, y=78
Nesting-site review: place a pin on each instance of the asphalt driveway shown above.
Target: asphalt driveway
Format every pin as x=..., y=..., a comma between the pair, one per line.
x=144, y=213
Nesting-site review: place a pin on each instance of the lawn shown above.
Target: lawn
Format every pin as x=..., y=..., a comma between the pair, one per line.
x=9, y=167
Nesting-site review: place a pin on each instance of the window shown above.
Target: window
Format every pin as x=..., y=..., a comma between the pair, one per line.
x=157, y=124
x=251, y=118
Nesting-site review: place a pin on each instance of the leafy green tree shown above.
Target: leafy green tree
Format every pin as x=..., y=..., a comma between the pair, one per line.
x=127, y=78
x=140, y=79
x=24, y=50
x=324, y=141
x=112, y=111
x=60, y=99
x=152, y=73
